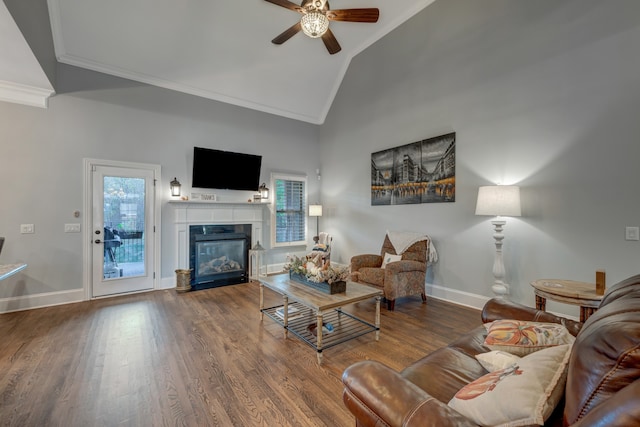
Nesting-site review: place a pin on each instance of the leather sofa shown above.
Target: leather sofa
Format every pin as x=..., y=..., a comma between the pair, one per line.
x=603, y=371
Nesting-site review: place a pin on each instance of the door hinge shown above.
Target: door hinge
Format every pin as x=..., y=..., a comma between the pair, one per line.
x=154, y=274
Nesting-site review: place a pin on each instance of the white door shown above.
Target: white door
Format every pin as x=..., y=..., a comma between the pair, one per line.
x=122, y=229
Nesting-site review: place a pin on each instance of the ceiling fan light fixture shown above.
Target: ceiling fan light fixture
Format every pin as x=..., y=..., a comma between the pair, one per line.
x=314, y=24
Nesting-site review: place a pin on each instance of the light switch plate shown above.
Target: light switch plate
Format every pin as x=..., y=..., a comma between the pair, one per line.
x=72, y=228
x=632, y=233
x=27, y=229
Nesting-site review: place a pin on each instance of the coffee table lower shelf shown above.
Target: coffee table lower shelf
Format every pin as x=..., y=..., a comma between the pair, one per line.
x=303, y=324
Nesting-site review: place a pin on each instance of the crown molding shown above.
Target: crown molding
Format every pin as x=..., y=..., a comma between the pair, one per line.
x=26, y=95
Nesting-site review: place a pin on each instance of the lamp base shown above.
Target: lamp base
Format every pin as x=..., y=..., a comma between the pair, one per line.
x=499, y=288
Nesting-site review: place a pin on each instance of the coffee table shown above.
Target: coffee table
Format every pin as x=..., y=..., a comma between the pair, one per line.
x=315, y=317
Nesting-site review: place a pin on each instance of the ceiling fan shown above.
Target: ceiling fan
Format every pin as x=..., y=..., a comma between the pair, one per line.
x=316, y=15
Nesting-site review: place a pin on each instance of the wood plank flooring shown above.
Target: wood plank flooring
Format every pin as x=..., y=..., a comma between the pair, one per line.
x=200, y=358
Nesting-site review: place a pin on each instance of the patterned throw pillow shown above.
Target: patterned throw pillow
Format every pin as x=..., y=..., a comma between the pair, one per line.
x=523, y=394
x=387, y=258
x=521, y=337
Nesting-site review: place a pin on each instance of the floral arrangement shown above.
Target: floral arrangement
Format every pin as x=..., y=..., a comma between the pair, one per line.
x=316, y=274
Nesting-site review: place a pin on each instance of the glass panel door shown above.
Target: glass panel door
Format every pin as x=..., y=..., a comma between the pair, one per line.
x=122, y=230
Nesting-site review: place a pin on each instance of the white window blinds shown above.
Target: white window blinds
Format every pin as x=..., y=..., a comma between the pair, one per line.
x=290, y=210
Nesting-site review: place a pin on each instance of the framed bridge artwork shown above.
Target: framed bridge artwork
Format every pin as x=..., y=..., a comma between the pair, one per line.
x=420, y=172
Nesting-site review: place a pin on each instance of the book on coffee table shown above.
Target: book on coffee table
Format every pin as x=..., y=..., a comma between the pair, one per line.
x=292, y=311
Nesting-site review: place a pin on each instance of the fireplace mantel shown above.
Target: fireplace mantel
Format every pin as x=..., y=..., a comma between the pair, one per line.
x=188, y=213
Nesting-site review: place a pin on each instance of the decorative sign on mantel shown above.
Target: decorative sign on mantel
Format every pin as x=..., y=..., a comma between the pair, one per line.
x=208, y=197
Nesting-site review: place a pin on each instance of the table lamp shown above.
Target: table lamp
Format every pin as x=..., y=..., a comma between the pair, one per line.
x=316, y=210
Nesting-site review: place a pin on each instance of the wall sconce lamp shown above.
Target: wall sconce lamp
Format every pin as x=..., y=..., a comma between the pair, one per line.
x=175, y=187
x=264, y=191
x=498, y=201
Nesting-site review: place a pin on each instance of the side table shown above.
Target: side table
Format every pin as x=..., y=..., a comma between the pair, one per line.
x=569, y=292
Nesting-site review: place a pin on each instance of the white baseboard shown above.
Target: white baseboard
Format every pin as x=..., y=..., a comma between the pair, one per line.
x=28, y=302
x=458, y=297
x=167, y=283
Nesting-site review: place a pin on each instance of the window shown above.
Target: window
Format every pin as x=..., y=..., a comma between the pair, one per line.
x=289, y=219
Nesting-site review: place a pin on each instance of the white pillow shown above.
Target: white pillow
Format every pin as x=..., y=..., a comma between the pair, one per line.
x=387, y=258
x=496, y=360
x=523, y=394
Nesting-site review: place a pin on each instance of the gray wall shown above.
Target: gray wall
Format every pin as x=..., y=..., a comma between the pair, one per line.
x=97, y=116
x=541, y=94
x=544, y=94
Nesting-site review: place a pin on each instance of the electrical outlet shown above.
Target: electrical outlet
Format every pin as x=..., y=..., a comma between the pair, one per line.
x=632, y=233
x=72, y=228
x=27, y=229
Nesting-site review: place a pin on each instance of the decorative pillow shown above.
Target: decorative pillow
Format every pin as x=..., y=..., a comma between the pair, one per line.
x=387, y=258
x=320, y=247
x=523, y=394
x=521, y=337
x=496, y=360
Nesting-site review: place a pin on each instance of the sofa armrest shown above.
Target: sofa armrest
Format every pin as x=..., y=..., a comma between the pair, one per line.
x=366, y=260
x=498, y=308
x=378, y=395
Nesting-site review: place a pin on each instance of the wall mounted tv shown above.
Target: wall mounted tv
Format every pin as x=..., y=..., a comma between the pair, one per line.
x=225, y=170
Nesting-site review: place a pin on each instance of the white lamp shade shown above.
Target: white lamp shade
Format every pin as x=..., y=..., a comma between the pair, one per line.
x=498, y=200
x=315, y=210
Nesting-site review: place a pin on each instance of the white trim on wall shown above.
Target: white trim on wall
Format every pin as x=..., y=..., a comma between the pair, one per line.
x=28, y=302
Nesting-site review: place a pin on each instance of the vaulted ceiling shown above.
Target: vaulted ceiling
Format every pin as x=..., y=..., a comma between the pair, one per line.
x=219, y=49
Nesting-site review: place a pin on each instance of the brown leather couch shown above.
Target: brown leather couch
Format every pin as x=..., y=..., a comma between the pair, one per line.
x=602, y=388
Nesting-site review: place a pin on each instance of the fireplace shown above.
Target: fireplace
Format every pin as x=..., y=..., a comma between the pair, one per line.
x=219, y=254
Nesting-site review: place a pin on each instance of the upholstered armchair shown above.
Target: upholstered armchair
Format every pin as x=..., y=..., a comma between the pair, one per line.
x=402, y=274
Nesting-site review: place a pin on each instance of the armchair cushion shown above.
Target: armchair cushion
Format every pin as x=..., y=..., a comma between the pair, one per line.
x=372, y=275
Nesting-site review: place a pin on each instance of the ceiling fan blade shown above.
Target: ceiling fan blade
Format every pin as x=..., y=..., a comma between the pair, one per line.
x=287, y=5
x=287, y=34
x=330, y=42
x=354, y=15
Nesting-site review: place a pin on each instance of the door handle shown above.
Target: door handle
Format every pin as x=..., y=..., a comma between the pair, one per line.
x=98, y=241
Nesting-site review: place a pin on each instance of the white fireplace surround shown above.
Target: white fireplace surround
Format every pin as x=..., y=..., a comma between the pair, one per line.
x=213, y=213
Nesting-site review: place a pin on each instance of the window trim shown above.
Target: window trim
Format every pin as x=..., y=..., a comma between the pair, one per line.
x=288, y=177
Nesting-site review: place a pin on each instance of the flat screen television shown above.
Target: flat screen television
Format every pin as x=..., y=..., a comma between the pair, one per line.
x=225, y=170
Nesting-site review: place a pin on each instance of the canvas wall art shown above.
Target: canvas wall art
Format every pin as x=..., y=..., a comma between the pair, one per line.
x=420, y=172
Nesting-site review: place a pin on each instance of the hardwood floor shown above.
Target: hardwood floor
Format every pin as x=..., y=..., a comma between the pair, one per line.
x=200, y=358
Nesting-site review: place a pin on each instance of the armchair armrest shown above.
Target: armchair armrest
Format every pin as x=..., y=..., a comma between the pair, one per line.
x=498, y=308
x=378, y=395
x=366, y=260
x=404, y=266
